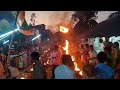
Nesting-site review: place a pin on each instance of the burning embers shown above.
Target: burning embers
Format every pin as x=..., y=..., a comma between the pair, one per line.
x=64, y=29
x=73, y=58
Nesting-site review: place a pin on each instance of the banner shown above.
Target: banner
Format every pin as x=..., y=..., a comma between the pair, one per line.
x=28, y=32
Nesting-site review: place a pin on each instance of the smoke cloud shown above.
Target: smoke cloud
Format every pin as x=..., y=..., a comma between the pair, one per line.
x=49, y=18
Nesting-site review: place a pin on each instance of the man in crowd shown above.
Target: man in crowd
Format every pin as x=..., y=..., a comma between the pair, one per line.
x=116, y=54
x=110, y=60
x=56, y=58
x=39, y=71
x=92, y=55
x=66, y=70
x=104, y=71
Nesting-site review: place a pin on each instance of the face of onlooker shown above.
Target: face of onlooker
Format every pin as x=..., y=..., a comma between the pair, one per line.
x=101, y=58
x=105, y=51
x=116, y=45
x=91, y=48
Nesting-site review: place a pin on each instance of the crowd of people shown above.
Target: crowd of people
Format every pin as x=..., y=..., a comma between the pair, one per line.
x=102, y=65
x=20, y=59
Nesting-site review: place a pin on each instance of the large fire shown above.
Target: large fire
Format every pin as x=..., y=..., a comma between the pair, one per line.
x=73, y=58
x=64, y=29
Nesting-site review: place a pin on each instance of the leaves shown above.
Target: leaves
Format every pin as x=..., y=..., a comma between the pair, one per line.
x=32, y=19
x=86, y=20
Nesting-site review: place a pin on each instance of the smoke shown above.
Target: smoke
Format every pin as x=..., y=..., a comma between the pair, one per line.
x=50, y=18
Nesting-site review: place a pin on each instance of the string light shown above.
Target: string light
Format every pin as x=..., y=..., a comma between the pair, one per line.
x=9, y=33
x=36, y=37
x=6, y=42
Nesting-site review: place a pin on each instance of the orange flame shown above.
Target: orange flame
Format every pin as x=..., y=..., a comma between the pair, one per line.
x=63, y=29
x=66, y=47
x=81, y=73
x=75, y=64
x=73, y=58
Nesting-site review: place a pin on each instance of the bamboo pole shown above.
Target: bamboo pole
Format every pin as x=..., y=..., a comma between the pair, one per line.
x=8, y=58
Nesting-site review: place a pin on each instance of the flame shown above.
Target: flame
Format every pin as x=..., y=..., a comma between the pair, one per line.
x=63, y=29
x=81, y=73
x=66, y=47
x=73, y=58
x=75, y=64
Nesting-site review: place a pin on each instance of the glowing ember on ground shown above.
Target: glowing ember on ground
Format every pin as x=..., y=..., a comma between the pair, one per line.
x=22, y=78
x=66, y=47
x=63, y=29
x=31, y=69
